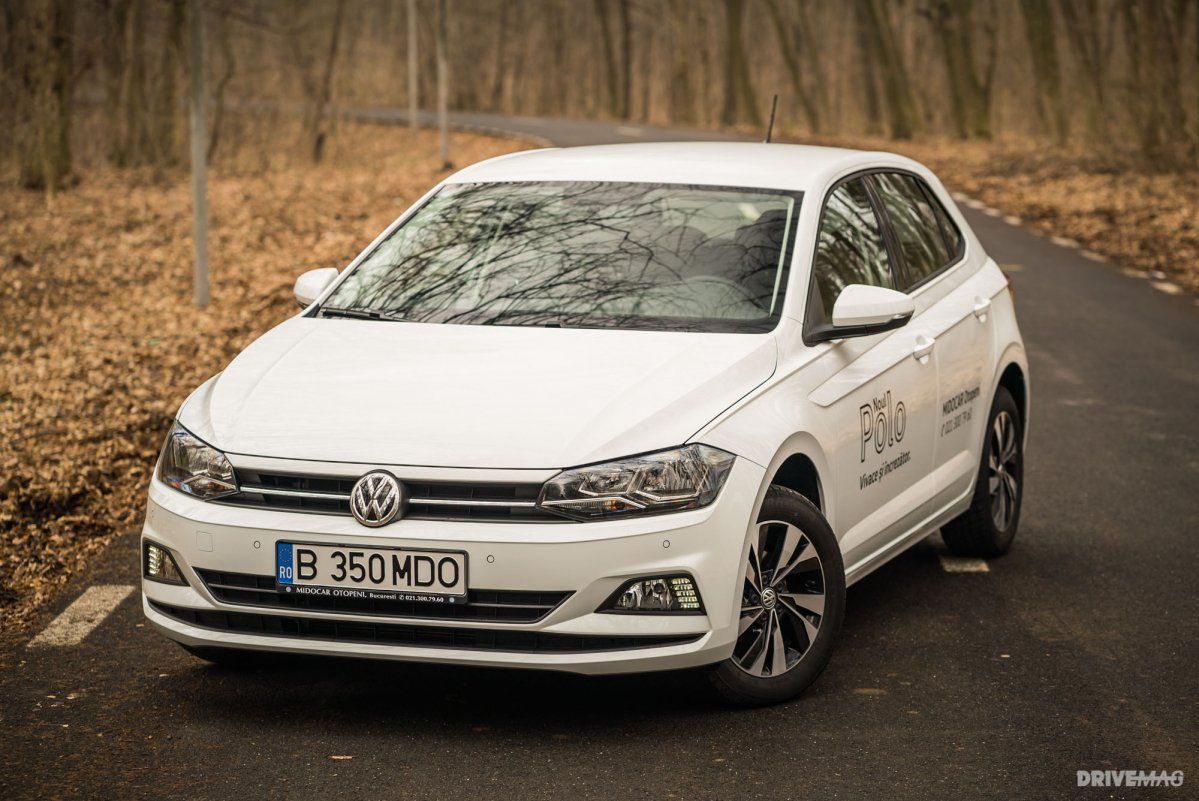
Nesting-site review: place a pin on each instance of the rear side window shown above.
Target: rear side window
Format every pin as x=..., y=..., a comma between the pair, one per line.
x=849, y=249
x=952, y=235
x=917, y=224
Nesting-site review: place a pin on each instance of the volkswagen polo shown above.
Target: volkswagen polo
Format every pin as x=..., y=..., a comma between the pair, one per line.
x=604, y=409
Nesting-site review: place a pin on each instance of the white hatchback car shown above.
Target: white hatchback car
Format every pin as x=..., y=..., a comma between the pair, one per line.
x=604, y=409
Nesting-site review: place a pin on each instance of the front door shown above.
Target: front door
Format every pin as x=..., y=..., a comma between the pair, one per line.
x=880, y=398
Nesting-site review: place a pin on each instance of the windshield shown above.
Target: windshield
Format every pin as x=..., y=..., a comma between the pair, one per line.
x=595, y=254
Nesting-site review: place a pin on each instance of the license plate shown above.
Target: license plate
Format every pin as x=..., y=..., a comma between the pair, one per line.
x=373, y=573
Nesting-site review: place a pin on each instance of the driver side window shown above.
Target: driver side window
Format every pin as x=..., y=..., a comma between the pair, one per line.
x=849, y=249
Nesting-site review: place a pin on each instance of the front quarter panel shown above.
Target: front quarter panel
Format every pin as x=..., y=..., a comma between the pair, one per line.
x=774, y=423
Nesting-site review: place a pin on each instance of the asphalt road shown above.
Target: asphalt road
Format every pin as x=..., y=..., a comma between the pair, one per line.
x=1077, y=651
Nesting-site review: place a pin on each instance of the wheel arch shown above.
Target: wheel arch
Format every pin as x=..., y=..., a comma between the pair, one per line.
x=1014, y=381
x=1012, y=374
x=800, y=464
x=798, y=472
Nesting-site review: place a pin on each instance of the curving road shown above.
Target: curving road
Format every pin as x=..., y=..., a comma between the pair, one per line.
x=1075, y=652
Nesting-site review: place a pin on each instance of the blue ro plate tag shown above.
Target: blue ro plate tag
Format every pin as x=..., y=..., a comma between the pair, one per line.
x=370, y=573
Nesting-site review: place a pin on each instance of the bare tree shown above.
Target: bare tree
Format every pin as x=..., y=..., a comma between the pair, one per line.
x=903, y=114
x=864, y=67
x=501, y=57
x=228, y=68
x=45, y=67
x=316, y=77
x=413, y=81
x=199, y=150
x=1083, y=33
x=969, y=93
x=739, y=100
x=443, y=86
x=682, y=99
x=626, y=51
x=162, y=132
x=1108, y=74
x=787, y=49
x=610, y=66
x=1041, y=33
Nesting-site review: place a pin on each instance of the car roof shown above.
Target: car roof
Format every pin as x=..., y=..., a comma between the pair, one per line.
x=741, y=164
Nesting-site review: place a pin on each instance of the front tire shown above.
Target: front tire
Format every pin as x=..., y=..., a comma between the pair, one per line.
x=792, y=605
x=988, y=527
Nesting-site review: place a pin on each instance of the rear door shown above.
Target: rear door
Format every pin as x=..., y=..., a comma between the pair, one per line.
x=953, y=298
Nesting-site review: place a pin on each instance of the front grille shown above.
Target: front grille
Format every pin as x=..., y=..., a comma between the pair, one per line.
x=429, y=500
x=511, y=640
x=498, y=606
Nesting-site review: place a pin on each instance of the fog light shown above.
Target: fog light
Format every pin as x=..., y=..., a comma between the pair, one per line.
x=655, y=595
x=159, y=565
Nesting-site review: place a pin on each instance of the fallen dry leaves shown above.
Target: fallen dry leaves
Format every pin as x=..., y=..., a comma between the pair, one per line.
x=100, y=343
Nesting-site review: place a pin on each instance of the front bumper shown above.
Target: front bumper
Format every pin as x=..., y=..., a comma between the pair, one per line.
x=589, y=560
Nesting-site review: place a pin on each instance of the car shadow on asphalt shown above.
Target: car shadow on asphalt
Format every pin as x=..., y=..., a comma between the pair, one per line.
x=314, y=691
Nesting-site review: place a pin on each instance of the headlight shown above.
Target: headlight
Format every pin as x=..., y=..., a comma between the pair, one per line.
x=193, y=466
x=682, y=478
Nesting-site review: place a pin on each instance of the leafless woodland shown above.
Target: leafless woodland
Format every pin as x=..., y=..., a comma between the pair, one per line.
x=106, y=80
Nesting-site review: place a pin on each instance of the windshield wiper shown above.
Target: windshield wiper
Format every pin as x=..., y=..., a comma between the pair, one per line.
x=359, y=314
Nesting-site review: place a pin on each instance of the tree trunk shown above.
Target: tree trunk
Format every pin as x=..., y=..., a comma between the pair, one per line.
x=610, y=74
x=815, y=62
x=324, y=89
x=162, y=128
x=904, y=118
x=1163, y=25
x=787, y=48
x=867, y=69
x=739, y=100
x=704, y=101
x=1040, y=31
x=228, y=66
x=443, y=86
x=413, y=81
x=969, y=96
x=1083, y=35
x=47, y=81
x=133, y=138
x=501, y=52
x=1156, y=94
x=1147, y=116
x=626, y=47
x=682, y=97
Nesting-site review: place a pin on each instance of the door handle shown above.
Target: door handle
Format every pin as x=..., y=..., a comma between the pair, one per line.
x=981, y=307
x=923, y=348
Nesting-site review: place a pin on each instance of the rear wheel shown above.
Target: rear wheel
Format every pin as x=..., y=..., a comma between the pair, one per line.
x=792, y=604
x=988, y=527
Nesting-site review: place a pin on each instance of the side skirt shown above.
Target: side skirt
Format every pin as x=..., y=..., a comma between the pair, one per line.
x=871, y=562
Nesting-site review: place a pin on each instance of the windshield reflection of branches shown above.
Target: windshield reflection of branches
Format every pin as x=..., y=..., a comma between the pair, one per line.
x=578, y=253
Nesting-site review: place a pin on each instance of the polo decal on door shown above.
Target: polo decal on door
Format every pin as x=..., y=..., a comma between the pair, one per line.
x=883, y=425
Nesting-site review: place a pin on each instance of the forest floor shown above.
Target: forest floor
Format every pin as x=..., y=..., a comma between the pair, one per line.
x=100, y=342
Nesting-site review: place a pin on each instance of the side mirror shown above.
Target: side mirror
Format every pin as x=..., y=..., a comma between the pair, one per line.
x=312, y=283
x=862, y=310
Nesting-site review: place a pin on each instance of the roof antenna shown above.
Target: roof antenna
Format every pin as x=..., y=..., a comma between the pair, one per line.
x=774, y=101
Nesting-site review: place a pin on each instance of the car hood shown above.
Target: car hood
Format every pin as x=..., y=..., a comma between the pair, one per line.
x=471, y=396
